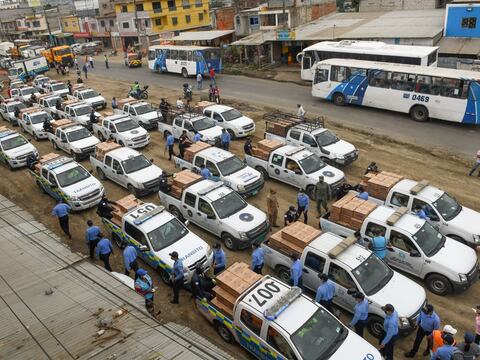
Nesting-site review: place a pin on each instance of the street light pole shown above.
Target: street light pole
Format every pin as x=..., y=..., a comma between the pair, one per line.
x=50, y=37
x=137, y=24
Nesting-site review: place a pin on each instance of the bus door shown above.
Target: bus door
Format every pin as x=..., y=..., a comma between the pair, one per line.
x=472, y=115
x=307, y=63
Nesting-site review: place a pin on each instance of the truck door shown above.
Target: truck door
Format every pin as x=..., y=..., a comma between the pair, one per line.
x=313, y=265
x=71, y=114
x=107, y=168
x=53, y=189
x=213, y=168
x=199, y=161
x=279, y=344
x=250, y=335
x=189, y=206
x=138, y=239
x=429, y=210
x=177, y=128
x=63, y=140
x=293, y=173
x=293, y=137
x=189, y=127
x=207, y=218
x=406, y=256
x=399, y=199
x=275, y=167
x=119, y=173
x=112, y=130
x=343, y=282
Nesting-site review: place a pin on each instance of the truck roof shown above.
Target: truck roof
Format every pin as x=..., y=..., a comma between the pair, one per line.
x=71, y=127
x=210, y=189
x=215, y=154
x=219, y=108
x=117, y=117
x=191, y=116
x=123, y=153
x=430, y=193
x=60, y=164
x=295, y=152
x=408, y=222
x=143, y=214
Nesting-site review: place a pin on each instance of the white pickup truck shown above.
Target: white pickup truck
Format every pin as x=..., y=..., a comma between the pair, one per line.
x=74, y=139
x=77, y=111
x=14, y=148
x=7, y=110
x=453, y=219
x=90, y=96
x=31, y=122
x=40, y=81
x=49, y=103
x=228, y=168
x=418, y=249
x=24, y=93
x=354, y=269
x=314, y=137
x=142, y=112
x=219, y=210
x=272, y=320
x=128, y=168
x=155, y=233
x=298, y=167
x=209, y=132
x=230, y=119
x=123, y=130
x=56, y=88
x=63, y=178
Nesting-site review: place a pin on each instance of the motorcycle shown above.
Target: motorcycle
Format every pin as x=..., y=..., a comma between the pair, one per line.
x=141, y=94
x=113, y=52
x=187, y=92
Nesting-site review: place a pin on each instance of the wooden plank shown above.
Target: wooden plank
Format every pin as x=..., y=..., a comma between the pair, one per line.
x=392, y=219
x=344, y=244
x=419, y=187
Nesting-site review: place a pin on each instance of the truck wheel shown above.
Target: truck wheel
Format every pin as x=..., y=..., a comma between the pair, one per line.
x=338, y=99
x=40, y=186
x=184, y=73
x=55, y=146
x=232, y=133
x=311, y=192
x=74, y=155
x=144, y=96
x=121, y=143
x=101, y=174
x=117, y=239
x=439, y=284
x=283, y=274
x=166, y=134
x=419, y=113
x=375, y=326
x=224, y=333
x=165, y=276
x=175, y=212
x=262, y=171
x=228, y=241
x=132, y=190
x=23, y=129
x=34, y=136
x=100, y=137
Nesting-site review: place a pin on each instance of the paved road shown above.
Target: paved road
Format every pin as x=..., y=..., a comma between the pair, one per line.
x=453, y=137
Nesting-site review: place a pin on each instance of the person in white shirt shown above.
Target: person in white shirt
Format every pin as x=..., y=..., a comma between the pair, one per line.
x=476, y=165
x=301, y=112
x=180, y=104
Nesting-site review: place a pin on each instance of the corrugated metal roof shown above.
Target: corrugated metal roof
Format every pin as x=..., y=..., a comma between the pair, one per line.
x=63, y=324
x=200, y=35
x=459, y=46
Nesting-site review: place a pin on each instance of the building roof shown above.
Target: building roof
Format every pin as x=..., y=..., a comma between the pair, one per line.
x=54, y=313
x=459, y=46
x=201, y=35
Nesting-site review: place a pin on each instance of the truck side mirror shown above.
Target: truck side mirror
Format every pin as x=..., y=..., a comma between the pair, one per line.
x=414, y=253
x=143, y=248
x=151, y=160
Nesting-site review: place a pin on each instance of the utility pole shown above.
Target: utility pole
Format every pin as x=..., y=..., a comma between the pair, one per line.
x=50, y=37
x=137, y=24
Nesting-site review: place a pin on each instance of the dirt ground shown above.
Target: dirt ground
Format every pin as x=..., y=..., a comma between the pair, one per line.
x=447, y=171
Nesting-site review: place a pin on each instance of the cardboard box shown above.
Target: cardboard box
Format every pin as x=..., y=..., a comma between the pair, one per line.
x=277, y=242
x=224, y=296
x=269, y=145
x=223, y=308
x=261, y=154
x=184, y=179
x=300, y=234
x=44, y=159
x=124, y=101
x=127, y=203
x=195, y=148
x=104, y=147
x=61, y=123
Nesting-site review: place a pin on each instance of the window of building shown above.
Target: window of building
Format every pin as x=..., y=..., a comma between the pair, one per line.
x=102, y=23
x=253, y=20
x=139, y=7
x=186, y=4
x=282, y=19
x=171, y=5
x=157, y=7
x=187, y=19
x=125, y=25
x=200, y=17
x=111, y=22
x=174, y=21
x=124, y=8
x=147, y=23
x=94, y=26
x=66, y=24
x=198, y=3
x=158, y=22
x=469, y=23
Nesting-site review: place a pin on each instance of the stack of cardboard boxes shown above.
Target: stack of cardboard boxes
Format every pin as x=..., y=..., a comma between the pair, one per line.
x=182, y=180
x=294, y=238
x=61, y=123
x=69, y=102
x=123, y=206
x=351, y=211
x=265, y=147
x=44, y=159
x=231, y=283
x=193, y=149
x=122, y=102
x=201, y=105
x=103, y=148
x=379, y=184
x=278, y=127
x=27, y=110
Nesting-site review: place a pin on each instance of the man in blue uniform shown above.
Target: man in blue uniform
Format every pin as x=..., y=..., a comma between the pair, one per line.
x=219, y=259
x=169, y=146
x=296, y=272
x=390, y=328
x=427, y=321
x=104, y=250
x=177, y=276
x=325, y=292
x=360, y=314
x=92, y=237
x=61, y=211
x=303, y=202
x=130, y=260
x=226, y=140
x=258, y=256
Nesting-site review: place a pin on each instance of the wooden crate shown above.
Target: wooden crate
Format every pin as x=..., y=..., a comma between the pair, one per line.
x=69, y=102
x=104, y=147
x=277, y=242
x=44, y=159
x=269, y=145
x=124, y=101
x=300, y=234
x=27, y=110
x=224, y=296
x=201, y=105
x=4, y=128
x=261, y=154
x=230, y=283
x=175, y=191
x=185, y=178
x=195, y=148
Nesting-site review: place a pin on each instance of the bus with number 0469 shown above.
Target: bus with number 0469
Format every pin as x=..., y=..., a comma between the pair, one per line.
x=422, y=92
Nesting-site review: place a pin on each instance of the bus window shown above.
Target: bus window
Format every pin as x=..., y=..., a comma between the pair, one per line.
x=151, y=54
x=321, y=75
x=436, y=85
x=423, y=84
x=307, y=62
x=455, y=88
x=403, y=81
x=339, y=73
x=173, y=55
x=182, y=55
x=357, y=71
x=190, y=55
x=379, y=78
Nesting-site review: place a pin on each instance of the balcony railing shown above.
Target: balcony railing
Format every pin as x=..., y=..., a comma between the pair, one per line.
x=157, y=10
x=172, y=8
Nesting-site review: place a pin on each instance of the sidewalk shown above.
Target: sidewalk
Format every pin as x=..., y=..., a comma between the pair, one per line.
x=283, y=73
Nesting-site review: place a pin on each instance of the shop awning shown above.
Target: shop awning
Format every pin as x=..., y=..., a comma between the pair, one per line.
x=257, y=38
x=201, y=35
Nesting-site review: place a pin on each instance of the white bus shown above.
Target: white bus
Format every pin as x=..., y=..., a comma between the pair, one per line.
x=185, y=60
x=421, y=91
x=365, y=50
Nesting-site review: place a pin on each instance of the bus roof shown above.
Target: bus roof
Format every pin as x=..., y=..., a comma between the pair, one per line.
x=372, y=47
x=415, y=69
x=181, y=47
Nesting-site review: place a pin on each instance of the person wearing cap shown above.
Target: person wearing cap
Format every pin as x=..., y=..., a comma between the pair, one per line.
x=470, y=350
x=219, y=259
x=61, y=211
x=325, y=292
x=296, y=271
x=177, y=276
x=272, y=207
x=435, y=339
x=144, y=286
x=427, y=321
x=104, y=250
x=360, y=314
x=92, y=237
x=130, y=260
x=362, y=193
x=302, y=205
x=445, y=351
x=322, y=195
x=390, y=328
x=258, y=258
x=378, y=245
x=290, y=216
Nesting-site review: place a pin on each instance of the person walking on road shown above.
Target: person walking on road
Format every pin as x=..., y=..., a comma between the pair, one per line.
x=219, y=259
x=322, y=195
x=199, y=81
x=177, y=276
x=104, y=250
x=296, y=272
x=211, y=93
x=476, y=166
x=92, y=237
x=325, y=292
x=85, y=70
x=216, y=94
x=303, y=201
x=130, y=260
x=258, y=258
x=427, y=321
x=61, y=211
x=169, y=146
x=106, y=60
x=390, y=328
x=272, y=208
x=90, y=61
x=360, y=315
x=226, y=140
x=144, y=286
x=212, y=76
x=301, y=112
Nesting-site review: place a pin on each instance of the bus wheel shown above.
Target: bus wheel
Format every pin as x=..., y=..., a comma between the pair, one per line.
x=184, y=73
x=338, y=99
x=419, y=113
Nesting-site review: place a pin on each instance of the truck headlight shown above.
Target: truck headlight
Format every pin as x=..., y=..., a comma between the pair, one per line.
x=74, y=198
x=476, y=239
x=241, y=188
x=404, y=322
x=463, y=278
x=243, y=235
x=340, y=156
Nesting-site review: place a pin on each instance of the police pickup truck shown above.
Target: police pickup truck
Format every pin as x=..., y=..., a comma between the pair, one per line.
x=142, y=112
x=155, y=233
x=72, y=138
x=14, y=148
x=127, y=167
x=230, y=119
x=24, y=93
x=49, y=103
x=227, y=167
x=40, y=81
x=63, y=178
x=78, y=111
x=453, y=219
x=7, y=110
x=175, y=124
x=272, y=320
x=418, y=248
x=313, y=136
x=31, y=121
x=219, y=210
x=296, y=166
x=90, y=96
x=123, y=130
x=56, y=88
x=352, y=268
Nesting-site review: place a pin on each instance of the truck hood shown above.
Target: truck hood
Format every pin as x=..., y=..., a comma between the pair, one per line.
x=341, y=147
x=134, y=133
x=20, y=150
x=149, y=173
x=149, y=116
x=60, y=92
x=450, y=254
x=212, y=133
x=191, y=249
x=85, y=143
x=94, y=99
x=404, y=294
x=331, y=175
x=354, y=347
x=83, y=119
x=38, y=127
x=243, y=177
x=246, y=219
x=83, y=187
x=241, y=121
x=468, y=221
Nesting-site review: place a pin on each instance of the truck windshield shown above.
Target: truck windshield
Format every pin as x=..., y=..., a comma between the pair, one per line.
x=126, y=125
x=78, y=135
x=27, y=91
x=372, y=275
x=62, y=52
x=89, y=94
x=144, y=109
x=231, y=115
x=319, y=337
x=311, y=164
x=135, y=164
x=72, y=176
x=57, y=87
x=229, y=205
x=11, y=108
x=52, y=102
x=40, y=118
x=447, y=206
x=167, y=234
x=203, y=124
x=13, y=142
x=326, y=138
x=230, y=166
x=83, y=110
x=429, y=239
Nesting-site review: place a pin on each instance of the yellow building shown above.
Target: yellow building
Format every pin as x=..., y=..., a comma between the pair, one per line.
x=70, y=24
